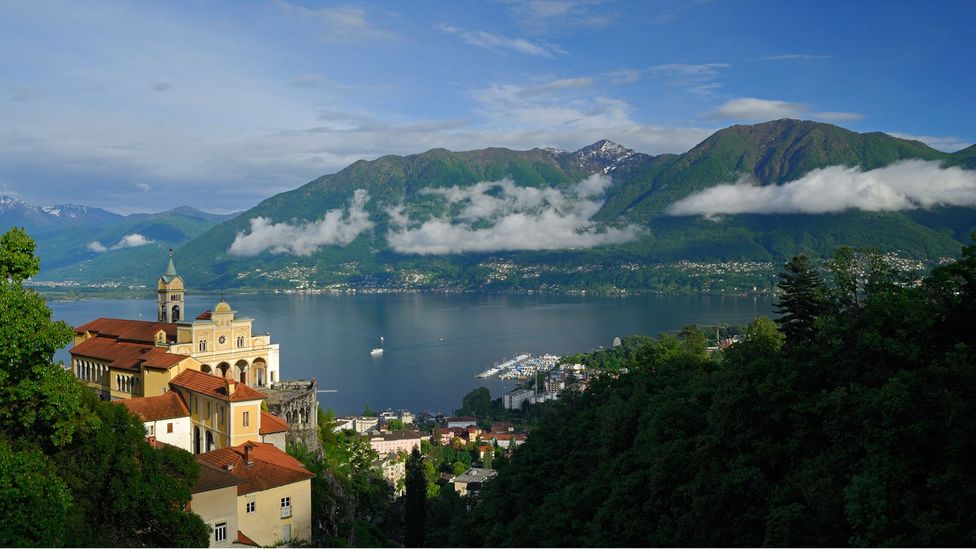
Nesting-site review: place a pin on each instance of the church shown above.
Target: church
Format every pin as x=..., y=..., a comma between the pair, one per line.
x=122, y=359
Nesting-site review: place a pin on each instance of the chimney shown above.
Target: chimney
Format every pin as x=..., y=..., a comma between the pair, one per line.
x=230, y=385
x=247, y=454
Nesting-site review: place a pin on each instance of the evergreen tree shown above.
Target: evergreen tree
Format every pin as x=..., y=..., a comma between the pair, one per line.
x=415, y=501
x=802, y=299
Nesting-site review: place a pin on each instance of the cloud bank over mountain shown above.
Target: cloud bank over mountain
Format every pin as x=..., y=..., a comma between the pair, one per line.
x=337, y=227
x=902, y=186
x=133, y=240
x=501, y=216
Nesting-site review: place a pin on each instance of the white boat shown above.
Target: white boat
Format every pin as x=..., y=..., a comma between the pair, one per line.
x=379, y=350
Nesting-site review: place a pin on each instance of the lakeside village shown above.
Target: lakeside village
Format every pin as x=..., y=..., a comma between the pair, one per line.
x=211, y=387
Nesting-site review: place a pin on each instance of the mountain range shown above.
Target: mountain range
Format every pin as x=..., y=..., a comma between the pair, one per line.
x=601, y=217
x=91, y=245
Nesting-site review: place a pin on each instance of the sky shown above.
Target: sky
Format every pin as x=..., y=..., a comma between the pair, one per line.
x=141, y=107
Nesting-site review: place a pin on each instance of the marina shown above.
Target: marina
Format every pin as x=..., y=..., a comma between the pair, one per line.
x=521, y=367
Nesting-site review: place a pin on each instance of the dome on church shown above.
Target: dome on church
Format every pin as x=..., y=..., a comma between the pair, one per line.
x=222, y=307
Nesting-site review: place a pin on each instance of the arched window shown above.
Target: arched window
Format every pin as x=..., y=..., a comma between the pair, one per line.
x=210, y=441
x=176, y=313
x=118, y=382
x=196, y=440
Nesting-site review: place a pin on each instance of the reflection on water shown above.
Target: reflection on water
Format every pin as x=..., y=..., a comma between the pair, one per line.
x=434, y=344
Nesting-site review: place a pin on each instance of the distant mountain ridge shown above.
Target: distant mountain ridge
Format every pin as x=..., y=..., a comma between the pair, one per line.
x=39, y=219
x=90, y=244
x=437, y=193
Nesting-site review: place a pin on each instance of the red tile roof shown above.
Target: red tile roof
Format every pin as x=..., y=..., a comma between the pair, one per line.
x=138, y=331
x=167, y=406
x=269, y=467
x=214, y=386
x=126, y=355
x=206, y=315
x=244, y=540
x=271, y=423
x=213, y=478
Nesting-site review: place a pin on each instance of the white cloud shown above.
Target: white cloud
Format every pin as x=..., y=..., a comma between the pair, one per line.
x=133, y=240
x=341, y=24
x=696, y=79
x=567, y=113
x=498, y=42
x=337, y=227
x=517, y=218
x=905, y=185
x=946, y=144
x=144, y=187
x=759, y=110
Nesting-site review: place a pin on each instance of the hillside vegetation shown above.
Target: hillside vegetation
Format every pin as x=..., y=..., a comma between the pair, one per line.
x=848, y=423
x=642, y=188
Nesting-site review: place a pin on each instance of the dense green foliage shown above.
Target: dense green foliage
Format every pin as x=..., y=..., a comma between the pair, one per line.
x=352, y=504
x=854, y=428
x=415, y=501
x=74, y=470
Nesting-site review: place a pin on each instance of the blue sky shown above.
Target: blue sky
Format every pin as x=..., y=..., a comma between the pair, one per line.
x=147, y=106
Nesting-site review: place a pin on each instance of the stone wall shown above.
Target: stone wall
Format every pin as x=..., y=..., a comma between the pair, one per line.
x=296, y=401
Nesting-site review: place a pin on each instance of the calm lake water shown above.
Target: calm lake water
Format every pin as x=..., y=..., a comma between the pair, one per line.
x=434, y=344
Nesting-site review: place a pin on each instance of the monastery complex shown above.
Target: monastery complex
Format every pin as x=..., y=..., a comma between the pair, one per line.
x=208, y=386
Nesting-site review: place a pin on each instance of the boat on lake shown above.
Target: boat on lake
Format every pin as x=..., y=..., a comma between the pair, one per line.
x=379, y=350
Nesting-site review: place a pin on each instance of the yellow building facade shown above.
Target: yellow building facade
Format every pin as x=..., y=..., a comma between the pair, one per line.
x=123, y=359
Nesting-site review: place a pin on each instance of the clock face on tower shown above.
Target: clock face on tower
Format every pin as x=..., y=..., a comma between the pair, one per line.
x=222, y=340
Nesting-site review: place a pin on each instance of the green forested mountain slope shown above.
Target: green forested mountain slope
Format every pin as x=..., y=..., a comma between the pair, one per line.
x=69, y=255
x=771, y=153
x=642, y=188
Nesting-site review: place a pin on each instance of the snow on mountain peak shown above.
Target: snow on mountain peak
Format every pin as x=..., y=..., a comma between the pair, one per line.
x=604, y=155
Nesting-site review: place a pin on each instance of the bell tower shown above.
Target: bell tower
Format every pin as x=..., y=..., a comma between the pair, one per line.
x=169, y=290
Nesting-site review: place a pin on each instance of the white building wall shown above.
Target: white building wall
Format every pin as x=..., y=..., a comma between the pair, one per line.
x=181, y=437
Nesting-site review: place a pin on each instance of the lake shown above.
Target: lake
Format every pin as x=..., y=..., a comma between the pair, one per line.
x=434, y=344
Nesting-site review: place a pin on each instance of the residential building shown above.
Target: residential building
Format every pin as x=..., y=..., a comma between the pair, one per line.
x=397, y=441
x=505, y=440
x=360, y=424
x=214, y=499
x=166, y=417
x=223, y=412
x=515, y=399
x=274, y=493
x=462, y=422
x=503, y=427
x=202, y=413
x=394, y=469
x=471, y=481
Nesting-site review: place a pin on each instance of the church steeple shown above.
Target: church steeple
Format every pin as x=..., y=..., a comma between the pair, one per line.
x=170, y=292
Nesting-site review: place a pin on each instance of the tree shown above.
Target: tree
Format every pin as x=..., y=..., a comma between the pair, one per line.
x=28, y=484
x=396, y=425
x=844, y=269
x=802, y=299
x=415, y=501
x=100, y=481
x=476, y=403
x=17, y=259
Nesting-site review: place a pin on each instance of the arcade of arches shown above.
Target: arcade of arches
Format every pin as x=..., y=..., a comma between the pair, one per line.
x=254, y=373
